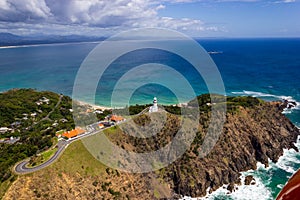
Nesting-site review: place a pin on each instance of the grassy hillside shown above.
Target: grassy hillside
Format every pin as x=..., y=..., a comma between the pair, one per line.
x=78, y=175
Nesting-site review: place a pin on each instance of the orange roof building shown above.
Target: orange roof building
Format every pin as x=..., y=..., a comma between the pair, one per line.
x=116, y=118
x=101, y=125
x=73, y=133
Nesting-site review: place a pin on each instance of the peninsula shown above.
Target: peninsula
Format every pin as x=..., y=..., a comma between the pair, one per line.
x=254, y=131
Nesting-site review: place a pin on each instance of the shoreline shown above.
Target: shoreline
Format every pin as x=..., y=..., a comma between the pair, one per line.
x=101, y=107
x=94, y=106
x=46, y=44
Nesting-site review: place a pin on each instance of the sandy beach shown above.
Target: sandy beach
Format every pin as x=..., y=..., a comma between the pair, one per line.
x=93, y=106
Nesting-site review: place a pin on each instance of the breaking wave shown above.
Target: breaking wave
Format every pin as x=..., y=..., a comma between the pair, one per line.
x=267, y=96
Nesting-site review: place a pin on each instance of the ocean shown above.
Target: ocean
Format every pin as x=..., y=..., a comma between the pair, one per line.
x=264, y=68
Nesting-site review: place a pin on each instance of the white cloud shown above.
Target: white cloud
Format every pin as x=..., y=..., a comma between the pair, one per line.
x=25, y=10
x=100, y=12
x=101, y=17
x=179, y=24
x=287, y=1
x=88, y=16
x=97, y=16
x=4, y=5
x=160, y=6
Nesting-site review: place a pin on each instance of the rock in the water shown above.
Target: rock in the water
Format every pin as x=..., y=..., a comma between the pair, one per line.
x=249, y=179
x=289, y=104
x=230, y=187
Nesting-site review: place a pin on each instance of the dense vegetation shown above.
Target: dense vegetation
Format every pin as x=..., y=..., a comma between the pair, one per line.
x=16, y=102
x=131, y=110
x=101, y=116
x=204, y=102
x=33, y=122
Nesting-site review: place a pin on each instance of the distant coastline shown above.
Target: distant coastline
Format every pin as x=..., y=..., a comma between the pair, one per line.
x=46, y=44
x=9, y=39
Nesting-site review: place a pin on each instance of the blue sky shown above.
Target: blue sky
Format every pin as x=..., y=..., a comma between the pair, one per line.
x=197, y=18
x=242, y=18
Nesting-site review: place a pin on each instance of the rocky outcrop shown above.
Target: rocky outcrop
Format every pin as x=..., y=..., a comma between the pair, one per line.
x=249, y=180
x=254, y=133
x=288, y=104
x=251, y=135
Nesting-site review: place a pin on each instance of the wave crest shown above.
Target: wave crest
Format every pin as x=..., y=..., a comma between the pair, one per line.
x=292, y=104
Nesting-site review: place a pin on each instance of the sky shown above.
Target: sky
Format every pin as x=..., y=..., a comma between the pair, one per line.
x=196, y=18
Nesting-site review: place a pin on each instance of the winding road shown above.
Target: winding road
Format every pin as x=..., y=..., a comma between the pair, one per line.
x=21, y=167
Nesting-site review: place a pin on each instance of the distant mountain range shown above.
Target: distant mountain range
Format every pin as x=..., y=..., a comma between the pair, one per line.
x=8, y=39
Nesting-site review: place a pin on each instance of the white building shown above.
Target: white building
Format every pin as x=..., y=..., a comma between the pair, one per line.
x=154, y=108
x=44, y=100
x=3, y=129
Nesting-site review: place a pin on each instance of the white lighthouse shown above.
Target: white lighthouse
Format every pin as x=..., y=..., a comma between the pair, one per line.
x=154, y=108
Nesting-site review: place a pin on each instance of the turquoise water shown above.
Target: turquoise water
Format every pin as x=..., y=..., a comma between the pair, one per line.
x=265, y=68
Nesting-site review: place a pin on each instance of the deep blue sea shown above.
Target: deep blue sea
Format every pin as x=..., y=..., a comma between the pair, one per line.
x=265, y=68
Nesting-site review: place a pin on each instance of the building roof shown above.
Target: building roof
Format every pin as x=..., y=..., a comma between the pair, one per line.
x=116, y=118
x=73, y=133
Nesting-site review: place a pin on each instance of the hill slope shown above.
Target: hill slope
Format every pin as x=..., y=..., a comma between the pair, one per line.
x=254, y=131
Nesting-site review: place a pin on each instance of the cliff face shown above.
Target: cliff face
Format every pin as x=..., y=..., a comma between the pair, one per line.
x=250, y=135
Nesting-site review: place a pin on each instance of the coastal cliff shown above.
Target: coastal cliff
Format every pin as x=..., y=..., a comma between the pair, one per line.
x=254, y=131
x=252, y=135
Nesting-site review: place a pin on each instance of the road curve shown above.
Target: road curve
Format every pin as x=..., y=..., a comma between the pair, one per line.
x=21, y=167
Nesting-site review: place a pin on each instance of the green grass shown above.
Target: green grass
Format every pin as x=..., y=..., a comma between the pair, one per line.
x=48, y=154
x=5, y=185
x=156, y=194
x=60, y=132
x=112, y=131
x=44, y=156
x=77, y=159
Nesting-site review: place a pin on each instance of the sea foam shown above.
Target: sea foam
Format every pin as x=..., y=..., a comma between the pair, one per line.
x=287, y=162
x=242, y=192
x=276, y=97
